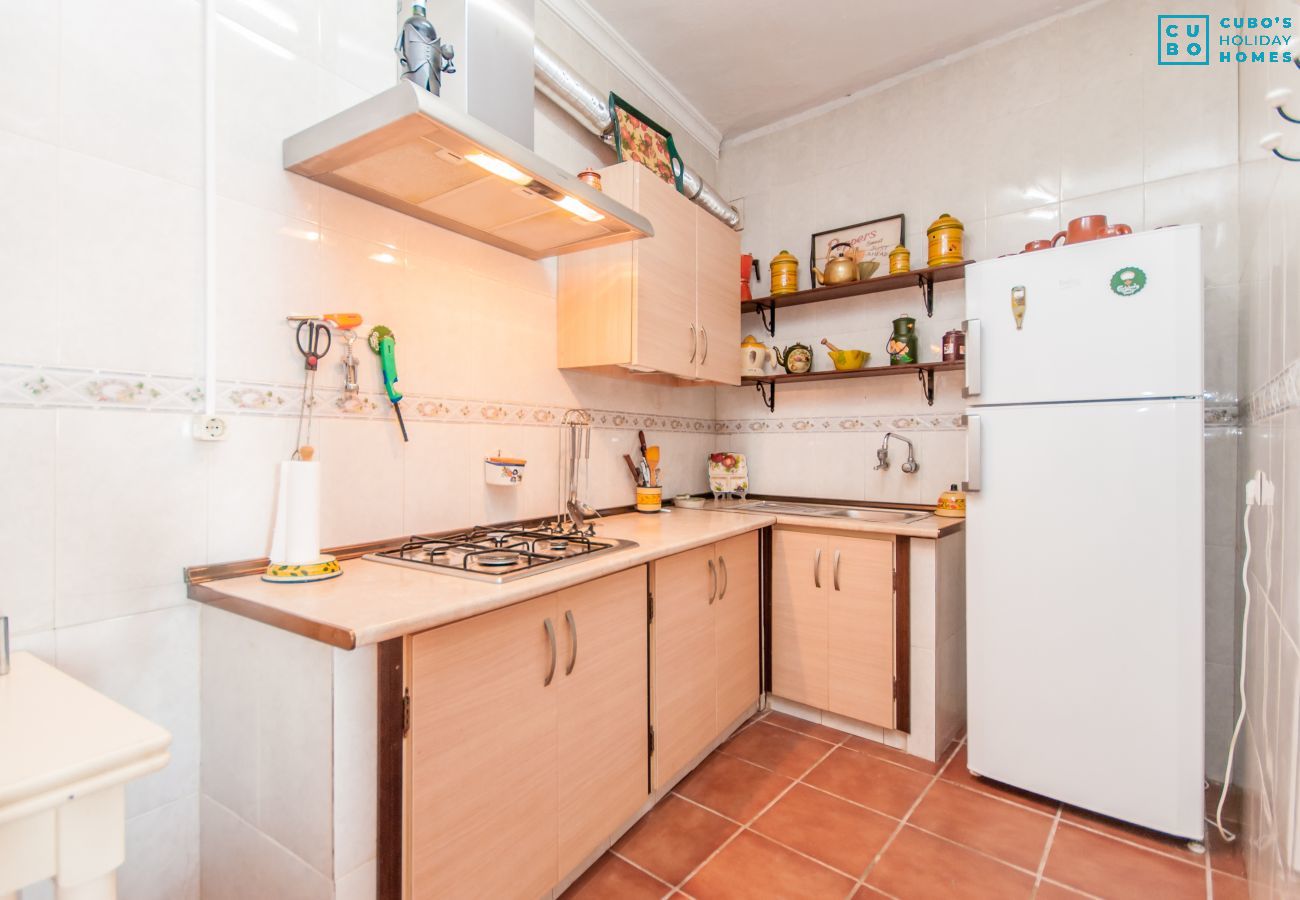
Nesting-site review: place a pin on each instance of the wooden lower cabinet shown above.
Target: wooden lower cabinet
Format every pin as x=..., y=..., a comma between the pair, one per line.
x=736, y=628
x=524, y=758
x=706, y=648
x=836, y=623
x=603, y=730
x=684, y=696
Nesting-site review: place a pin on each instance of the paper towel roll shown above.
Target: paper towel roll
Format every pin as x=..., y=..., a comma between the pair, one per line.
x=296, y=539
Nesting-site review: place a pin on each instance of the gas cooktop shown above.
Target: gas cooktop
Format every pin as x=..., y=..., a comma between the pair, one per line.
x=497, y=555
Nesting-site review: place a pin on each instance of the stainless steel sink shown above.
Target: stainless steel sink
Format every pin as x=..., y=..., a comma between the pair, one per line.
x=831, y=511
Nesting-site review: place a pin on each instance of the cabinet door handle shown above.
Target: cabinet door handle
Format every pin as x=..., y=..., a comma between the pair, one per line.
x=817, y=568
x=704, y=333
x=726, y=579
x=573, y=636
x=692, y=359
x=835, y=577
x=550, y=635
x=713, y=583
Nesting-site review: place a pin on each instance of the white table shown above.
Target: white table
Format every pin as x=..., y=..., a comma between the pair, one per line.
x=66, y=754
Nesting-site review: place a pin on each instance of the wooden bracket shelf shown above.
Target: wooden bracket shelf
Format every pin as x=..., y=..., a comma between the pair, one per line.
x=766, y=384
x=925, y=279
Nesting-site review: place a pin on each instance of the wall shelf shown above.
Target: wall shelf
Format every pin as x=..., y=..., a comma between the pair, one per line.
x=766, y=384
x=925, y=279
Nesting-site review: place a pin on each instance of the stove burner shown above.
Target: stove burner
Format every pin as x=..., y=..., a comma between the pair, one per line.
x=557, y=546
x=496, y=559
x=437, y=551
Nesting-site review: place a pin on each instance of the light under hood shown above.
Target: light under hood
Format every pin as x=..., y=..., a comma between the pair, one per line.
x=407, y=149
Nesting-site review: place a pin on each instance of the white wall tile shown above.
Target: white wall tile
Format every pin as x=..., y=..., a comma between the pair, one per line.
x=359, y=502
x=129, y=510
x=30, y=102
x=135, y=93
x=147, y=663
x=27, y=531
x=239, y=862
x=162, y=853
x=355, y=761
x=29, y=235
x=130, y=270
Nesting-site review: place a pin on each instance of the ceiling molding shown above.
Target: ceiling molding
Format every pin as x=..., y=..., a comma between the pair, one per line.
x=593, y=28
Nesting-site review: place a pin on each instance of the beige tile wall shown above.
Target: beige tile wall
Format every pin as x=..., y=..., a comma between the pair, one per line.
x=1268, y=762
x=1015, y=140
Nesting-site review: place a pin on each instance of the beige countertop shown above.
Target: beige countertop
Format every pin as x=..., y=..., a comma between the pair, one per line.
x=373, y=601
x=931, y=526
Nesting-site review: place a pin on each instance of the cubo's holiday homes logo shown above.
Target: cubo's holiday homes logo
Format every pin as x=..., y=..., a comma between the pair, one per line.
x=1192, y=40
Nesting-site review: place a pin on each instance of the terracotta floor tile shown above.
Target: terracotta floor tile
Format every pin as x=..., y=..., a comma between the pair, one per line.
x=919, y=865
x=957, y=773
x=868, y=780
x=832, y=830
x=731, y=786
x=1049, y=891
x=752, y=867
x=1152, y=840
x=778, y=749
x=1228, y=888
x=673, y=838
x=1013, y=834
x=1110, y=868
x=862, y=745
x=803, y=726
x=611, y=877
x=1229, y=857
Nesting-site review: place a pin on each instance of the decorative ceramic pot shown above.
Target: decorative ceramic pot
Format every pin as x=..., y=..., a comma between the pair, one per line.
x=900, y=260
x=785, y=273
x=952, y=503
x=944, y=239
x=795, y=359
x=902, y=343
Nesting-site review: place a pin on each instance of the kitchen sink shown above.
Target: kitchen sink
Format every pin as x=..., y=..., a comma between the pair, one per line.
x=831, y=511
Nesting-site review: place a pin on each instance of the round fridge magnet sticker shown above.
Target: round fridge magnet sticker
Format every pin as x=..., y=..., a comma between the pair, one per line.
x=1128, y=281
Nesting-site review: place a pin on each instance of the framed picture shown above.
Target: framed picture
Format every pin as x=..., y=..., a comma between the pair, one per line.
x=640, y=138
x=867, y=241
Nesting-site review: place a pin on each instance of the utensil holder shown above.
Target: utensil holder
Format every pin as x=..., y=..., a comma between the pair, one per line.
x=649, y=499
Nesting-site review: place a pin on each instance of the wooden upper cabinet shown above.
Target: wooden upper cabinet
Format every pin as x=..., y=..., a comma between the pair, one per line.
x=667, y=304
x=718, y=299
x=684, y=694
x=736, y=627
x=603, y=745
x=484, y=796
x=799, y=616
x=861, y=644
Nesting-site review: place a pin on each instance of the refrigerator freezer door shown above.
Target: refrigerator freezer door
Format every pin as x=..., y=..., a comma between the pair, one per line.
x=1085, y=607
x=1102, y=320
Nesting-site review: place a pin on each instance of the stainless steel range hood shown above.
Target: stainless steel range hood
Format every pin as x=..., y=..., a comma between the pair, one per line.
x=418, y=154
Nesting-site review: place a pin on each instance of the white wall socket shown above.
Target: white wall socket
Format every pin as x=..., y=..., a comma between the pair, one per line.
x=208, y=428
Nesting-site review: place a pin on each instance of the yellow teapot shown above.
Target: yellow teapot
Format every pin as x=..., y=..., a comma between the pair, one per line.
x=840, y=269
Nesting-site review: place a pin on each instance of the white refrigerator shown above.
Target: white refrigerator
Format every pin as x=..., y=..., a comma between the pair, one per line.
x=1085, y=525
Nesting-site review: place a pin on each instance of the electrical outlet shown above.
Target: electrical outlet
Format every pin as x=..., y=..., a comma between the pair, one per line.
x=208, y=428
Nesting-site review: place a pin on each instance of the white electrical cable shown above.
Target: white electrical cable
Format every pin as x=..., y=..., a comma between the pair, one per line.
x=209, y=207
x=1254, y=494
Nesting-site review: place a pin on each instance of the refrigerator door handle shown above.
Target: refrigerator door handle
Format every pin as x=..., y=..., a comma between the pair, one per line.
x=973, y=358
x=974, y=462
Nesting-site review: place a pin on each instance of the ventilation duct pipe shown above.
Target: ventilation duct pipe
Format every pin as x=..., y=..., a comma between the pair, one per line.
x=580, y=100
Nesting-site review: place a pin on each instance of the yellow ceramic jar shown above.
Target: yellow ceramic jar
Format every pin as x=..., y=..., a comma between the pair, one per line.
x=900, y=260
x=944, y=236
x=952, y=503
x=785, y=273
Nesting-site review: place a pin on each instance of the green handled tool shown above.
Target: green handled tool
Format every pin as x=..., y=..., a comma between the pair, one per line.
x=382, y=342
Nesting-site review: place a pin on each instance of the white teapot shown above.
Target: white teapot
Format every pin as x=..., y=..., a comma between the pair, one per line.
x=755, y=356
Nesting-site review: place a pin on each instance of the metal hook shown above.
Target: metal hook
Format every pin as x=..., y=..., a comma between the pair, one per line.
x=1271, y=141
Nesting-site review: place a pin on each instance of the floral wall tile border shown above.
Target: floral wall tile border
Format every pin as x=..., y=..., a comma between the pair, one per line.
x=1279, y=394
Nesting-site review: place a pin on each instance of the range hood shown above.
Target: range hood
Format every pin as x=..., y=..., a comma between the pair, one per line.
x=418, y=154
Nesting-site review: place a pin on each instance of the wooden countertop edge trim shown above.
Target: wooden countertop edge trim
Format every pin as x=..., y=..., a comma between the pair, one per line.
x=333, y=635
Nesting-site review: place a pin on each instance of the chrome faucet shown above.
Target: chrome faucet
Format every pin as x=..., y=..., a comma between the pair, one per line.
x=882, y=455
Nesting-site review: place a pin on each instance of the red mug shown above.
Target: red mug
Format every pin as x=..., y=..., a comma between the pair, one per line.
x=1084, y=228
x=1038, y=245
x=1115, y=231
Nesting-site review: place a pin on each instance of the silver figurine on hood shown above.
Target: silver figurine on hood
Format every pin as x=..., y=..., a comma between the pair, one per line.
x=423, y=55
